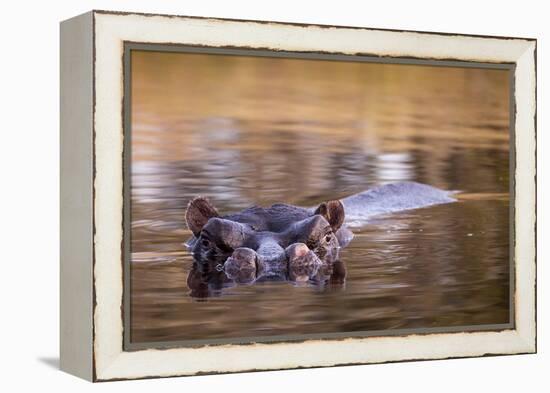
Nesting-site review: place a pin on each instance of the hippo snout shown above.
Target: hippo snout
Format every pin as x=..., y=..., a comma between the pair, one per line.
x=242, y=266
x=302, y=262
x=246, y=264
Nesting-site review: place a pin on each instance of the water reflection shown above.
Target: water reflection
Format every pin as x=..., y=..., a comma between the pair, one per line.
x=246, y=131
x=207, y=280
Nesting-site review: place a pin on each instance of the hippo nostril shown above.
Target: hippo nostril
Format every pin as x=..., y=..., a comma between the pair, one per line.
x=242, y=265
x=302, y=262
x=297, y=250
x=300, y=250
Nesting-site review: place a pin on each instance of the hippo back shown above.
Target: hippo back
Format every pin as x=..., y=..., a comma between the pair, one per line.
x=276, y=218
x=393, y=197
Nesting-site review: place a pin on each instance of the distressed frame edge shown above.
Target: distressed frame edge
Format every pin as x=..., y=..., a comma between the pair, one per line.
x=303, y=24
x=525, y=178
x=526, y=340
x=76, y=196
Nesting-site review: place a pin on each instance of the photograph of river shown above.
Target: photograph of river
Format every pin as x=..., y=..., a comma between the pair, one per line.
x=431, y=239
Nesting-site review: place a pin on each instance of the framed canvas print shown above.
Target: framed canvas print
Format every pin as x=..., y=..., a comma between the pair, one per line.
x=245, y=195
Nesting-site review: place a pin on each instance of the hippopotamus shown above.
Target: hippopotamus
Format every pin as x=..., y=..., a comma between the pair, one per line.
x=290, y=242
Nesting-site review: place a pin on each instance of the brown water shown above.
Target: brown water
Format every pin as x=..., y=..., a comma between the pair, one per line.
x=245, y=131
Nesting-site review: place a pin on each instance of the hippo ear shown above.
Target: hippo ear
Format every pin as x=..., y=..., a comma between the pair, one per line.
x=333, y=211
x=199, y=211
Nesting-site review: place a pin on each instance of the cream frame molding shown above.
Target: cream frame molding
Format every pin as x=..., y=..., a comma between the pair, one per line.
x=92, y=141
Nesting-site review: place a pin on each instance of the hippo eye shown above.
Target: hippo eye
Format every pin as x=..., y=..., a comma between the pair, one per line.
x=205, y=242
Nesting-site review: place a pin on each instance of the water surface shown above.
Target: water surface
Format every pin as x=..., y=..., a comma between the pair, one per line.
x=245, y=131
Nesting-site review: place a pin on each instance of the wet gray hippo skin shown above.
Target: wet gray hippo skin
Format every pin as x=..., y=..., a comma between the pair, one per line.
x=289, y=242
x=205, y=281
x=280, y=240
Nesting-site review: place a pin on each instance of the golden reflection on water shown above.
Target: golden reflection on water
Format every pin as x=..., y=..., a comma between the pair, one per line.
x=246, y=130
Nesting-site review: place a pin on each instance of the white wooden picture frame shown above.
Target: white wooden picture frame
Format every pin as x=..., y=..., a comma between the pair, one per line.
x=92, y=194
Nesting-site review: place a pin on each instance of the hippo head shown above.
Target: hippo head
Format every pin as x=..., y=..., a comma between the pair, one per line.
x=263, y=241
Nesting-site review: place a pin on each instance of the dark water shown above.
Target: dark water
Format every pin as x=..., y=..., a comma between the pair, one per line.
x=246, y=131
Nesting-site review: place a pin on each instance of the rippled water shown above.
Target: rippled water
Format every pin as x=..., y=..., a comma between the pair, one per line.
x=247, y=131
